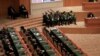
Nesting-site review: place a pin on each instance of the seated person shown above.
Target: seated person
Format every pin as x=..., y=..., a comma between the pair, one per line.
x=12, y=12
x=72, y=17
x=23, y=11
x=23, y=29
x=90, y=15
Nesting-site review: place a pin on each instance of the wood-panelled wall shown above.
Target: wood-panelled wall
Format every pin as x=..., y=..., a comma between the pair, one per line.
x=80, y=16
x=85, y=30
x=73, y=2
x=4, y=4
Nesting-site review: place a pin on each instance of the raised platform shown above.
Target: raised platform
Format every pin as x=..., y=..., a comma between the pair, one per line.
x=37, y=13
x=80, y=30
x=91, y=6
x=89, y=43
x=80, y=13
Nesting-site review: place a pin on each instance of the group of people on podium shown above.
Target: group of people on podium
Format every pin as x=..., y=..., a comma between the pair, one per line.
x=52, y=18
x=14, y=14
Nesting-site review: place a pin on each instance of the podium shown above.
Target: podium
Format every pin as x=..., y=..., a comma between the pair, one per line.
x=91, y=6
x=92, y=22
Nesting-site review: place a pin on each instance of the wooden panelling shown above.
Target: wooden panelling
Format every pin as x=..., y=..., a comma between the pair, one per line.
x=4, y=4
x=92, y=22
x=80, y=30
x=26, y=3
x=0, y=9
x=91, y=6
x=81, y=15
x=73, y=2
x=37, y=6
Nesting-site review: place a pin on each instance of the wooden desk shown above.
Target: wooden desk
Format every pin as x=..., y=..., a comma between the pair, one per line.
x=92, y=22
x=91, y=6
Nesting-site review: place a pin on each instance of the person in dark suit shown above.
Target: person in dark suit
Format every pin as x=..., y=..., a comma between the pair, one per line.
x=73, y=18
x=23, y=29
x=23, y=11
x=93, y=0
x=52, y=20
x=45, y=17
x=12, y=12
x=90, y=15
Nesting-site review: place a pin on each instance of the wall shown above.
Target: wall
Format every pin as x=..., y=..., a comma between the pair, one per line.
x=81, y=15
x=38, y=8
x=73, y=2
x=26, y=3
x=84, y=30
x=46, y=5
x=4, y=4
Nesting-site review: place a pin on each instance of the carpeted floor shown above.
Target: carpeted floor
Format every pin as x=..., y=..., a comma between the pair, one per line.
x=89, y=43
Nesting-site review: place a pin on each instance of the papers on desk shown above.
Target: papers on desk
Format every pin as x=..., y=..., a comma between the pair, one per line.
x=21, y=49
x=96, y=17
x=12, y=32
x=53, y=28
x=92, y=18
x=60, y=36
x=40, y=38
x=37, y=34
x=43, y=51
x=16, y=41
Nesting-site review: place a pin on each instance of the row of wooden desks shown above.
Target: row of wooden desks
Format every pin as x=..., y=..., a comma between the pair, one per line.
x=18, y=48
x=47, y=50
x=65, y=46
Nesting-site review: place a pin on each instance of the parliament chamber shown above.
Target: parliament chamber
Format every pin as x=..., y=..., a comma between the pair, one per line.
x=50, y=28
